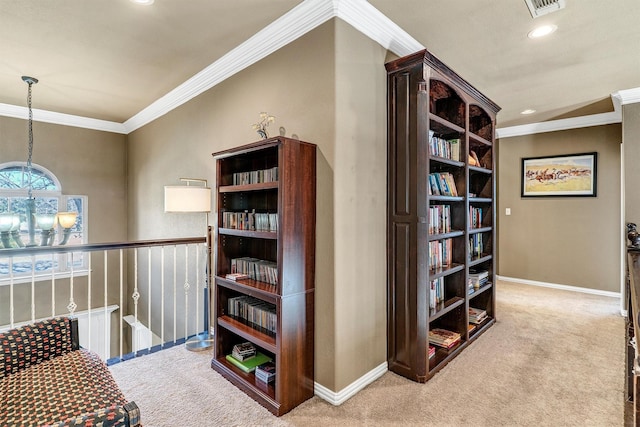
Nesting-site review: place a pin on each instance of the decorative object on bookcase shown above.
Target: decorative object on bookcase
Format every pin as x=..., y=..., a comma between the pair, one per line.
x=261, y=127
x=264, y=269
x=441, y=227
x=633, y=235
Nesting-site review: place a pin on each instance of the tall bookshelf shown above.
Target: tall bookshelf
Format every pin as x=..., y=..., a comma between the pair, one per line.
x=441, y=230
x=265, y=228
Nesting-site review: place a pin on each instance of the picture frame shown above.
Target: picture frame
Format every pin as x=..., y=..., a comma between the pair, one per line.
x=569, y=175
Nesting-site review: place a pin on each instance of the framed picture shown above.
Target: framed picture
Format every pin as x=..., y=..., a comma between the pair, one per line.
x=567, y=175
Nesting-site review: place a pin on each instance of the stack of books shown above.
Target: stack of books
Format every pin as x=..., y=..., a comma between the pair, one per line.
x=477, y=316
x=443, y=338
x=478, y=278
x=249, y=365
x=266, y=372
x=243, y=351
x=432, y=351
x=236, y=276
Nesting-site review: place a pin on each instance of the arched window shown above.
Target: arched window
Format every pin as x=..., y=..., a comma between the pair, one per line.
x=47, y=193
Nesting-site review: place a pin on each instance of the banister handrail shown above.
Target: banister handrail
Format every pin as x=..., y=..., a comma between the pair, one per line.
x=35, y=250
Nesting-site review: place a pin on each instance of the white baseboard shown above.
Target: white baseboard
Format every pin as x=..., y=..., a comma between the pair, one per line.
x=338, y=398
x=562, y=287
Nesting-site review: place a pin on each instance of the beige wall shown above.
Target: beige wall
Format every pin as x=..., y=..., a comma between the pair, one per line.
x=87, y=162
x=329, y=88
x=360, y=196
x=297, y=85
x=631, y=140
x=562, y=240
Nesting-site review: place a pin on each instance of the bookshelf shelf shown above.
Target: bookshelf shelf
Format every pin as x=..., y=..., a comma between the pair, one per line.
x=479, y=230
x=267, y=185
x=445, y=307
x=248, y=233
x=454, y=233
x=440, y=218
x=247, y=187
x=262, y=339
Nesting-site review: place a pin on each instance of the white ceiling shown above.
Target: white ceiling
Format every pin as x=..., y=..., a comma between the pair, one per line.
x=125, y=64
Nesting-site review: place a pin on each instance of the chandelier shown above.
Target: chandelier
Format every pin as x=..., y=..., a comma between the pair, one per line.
x=10, y=223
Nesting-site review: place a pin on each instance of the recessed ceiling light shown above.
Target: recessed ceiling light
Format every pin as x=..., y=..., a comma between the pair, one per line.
x=528, y=111
x=143, y=2
x=542, y=31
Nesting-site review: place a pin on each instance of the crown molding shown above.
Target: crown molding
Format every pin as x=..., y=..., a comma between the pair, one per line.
x=365, y=18
x=565, y=124
x=298, y=21
x=303, y=18
x=629, y=96
x=45, y=116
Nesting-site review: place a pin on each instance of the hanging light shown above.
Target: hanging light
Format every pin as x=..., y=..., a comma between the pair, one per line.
x=47, y=221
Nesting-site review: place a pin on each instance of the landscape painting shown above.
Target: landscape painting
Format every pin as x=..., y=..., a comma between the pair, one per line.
x=566, y=175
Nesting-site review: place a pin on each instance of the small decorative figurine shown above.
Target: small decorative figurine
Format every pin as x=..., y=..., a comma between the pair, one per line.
x=633, y=235
x=261, y=126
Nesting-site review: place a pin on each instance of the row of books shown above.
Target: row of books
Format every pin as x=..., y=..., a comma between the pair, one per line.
x=442, y=184
x=250, y=221
x=256, y=177
x=253, y=310
x=476, y=245
x=475, y=217
x=256, y=269
x=440, y=253
x=444, y=338
x=439, y=219
x=443, y=147
x=436, y=294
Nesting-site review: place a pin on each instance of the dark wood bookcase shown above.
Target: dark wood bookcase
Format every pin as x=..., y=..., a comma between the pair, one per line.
x=287, y=290
x=433, y=114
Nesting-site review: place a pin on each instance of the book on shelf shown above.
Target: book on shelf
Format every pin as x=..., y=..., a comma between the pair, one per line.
x=475, y=217
x=250, y=364
x=442, y=184
x=448, y=148
x=256, y=177
x=436, y=294
x=432, y=351
x=236, y=276
x=443, y=337
x=250, y=221
x=266, y=372
x=439, y=219
x=476, y=315
x=440, y=253
x=478, y=278
x=476, y=245
x=256, y=311
x=256, y=269
x=471, y=327
x=243, y=351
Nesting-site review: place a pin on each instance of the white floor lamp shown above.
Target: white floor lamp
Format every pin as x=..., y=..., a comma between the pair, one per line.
x=194, y=198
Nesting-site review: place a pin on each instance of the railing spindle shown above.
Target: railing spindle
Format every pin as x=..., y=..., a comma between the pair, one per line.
x=121, y=298
x=186, y=291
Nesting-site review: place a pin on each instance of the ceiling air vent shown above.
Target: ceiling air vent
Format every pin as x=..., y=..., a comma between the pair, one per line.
x=542, y=7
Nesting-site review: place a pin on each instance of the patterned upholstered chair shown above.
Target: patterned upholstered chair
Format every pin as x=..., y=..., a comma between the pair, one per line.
x=47, y=379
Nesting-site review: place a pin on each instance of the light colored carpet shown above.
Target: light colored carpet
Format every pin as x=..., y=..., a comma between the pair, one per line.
x=554, y=358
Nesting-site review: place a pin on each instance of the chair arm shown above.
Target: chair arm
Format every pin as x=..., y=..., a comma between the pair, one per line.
x=127, y=416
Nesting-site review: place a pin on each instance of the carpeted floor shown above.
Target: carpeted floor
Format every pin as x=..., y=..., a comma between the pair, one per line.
x=554, y=358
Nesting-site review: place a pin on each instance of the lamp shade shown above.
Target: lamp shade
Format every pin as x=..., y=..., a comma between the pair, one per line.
x=186, y=198
x=67, y=219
